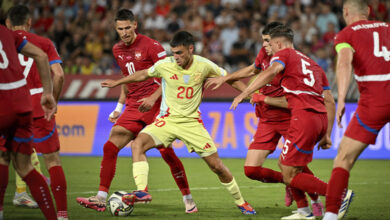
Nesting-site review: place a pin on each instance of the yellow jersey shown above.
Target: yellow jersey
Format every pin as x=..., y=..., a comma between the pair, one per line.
x=182, y=88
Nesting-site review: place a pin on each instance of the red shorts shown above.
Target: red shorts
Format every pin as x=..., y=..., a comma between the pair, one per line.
x=306, y=129
x=367, y=122
x=268, y=134
x=17, y=133
x=134, y=120
x=45, y=136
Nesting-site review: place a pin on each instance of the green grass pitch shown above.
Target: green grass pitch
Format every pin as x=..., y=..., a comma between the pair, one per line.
x=369, y=179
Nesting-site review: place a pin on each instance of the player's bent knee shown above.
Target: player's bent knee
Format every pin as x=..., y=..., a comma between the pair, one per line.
x=5, y=158
x=253, y=173
x=52, y=159
x=118, y=131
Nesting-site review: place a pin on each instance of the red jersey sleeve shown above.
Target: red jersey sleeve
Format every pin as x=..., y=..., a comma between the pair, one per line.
x=325, y=83
x=259, y=58
x=280, y=57
x=156, y=51
x=20, y=42
x=342, y=37
x=52, y=53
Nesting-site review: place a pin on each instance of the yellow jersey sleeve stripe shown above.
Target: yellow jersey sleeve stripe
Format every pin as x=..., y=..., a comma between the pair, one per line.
x=340, y=46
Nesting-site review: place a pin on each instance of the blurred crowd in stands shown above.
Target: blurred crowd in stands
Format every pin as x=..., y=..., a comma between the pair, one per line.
x=227, y=31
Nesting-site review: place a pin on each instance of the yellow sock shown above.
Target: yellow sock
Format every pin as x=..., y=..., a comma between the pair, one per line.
x=35, y=162
x=233, y=189
x=20, y=184
x=140, y=174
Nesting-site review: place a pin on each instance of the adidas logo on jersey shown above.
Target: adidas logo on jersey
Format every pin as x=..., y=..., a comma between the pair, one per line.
x=207, y=146
x=174, y=77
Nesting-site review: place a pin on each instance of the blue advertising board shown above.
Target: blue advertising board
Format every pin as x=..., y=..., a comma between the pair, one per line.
x=84, y=128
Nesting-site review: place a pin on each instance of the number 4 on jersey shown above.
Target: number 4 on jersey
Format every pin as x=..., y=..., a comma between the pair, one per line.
x=384, y=53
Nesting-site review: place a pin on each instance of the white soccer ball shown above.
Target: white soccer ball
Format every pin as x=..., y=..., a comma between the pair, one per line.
x=117, y=207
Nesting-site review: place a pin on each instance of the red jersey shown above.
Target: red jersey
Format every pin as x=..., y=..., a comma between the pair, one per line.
x=371, y=59
x=302, y=80
x=30, y=70
x=139, y=55
x=268, y=113
x=13, y=90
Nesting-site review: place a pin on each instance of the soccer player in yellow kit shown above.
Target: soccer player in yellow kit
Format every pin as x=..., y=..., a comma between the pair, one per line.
x=183, y=75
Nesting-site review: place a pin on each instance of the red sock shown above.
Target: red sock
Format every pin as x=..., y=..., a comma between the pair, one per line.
x=58, y=187
x=41, y=193
x=314, y=196
x=263, y=174
x=299, y=197
x=337, y=187
x=177, y=169
x=3, y=183
x=108, y=165
x=309, y=183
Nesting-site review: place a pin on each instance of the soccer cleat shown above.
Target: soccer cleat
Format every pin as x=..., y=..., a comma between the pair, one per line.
x=93, y=202
x=298, y=216
x=288, y=198
x=137, y=197
x=190, y=206
x=62, y=215
x=318, y=208
x=246, y=209
x=23, y=199
x=345, y=204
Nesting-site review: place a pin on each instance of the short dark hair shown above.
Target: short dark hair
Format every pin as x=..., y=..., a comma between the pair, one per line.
x=124, y=15
x=182, y=38
x=267, y=29
x=283, y=31
x=18, y=15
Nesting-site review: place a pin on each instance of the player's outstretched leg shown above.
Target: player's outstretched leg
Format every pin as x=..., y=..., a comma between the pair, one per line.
x=337, y=187
x=180, y=177
x=227, y=180
x=119, y=137
x=37, y=184
x=21, y=197
x=140, y=145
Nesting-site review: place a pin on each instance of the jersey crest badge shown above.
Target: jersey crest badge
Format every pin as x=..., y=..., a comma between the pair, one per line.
x=138, y=55
x=197, y=77
x=186, y=78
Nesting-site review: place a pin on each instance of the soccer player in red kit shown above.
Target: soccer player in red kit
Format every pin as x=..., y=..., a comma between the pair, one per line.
x=135, y=52
x=273, y=123
x=364, y=46
x=45, y=136
x=302, y=81
x=16, y=117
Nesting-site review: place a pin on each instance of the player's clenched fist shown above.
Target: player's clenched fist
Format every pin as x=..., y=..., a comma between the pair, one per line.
x=109, y=83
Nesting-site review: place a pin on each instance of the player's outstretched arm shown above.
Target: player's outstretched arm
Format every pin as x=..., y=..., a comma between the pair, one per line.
x=58, y=80
x=326, y=141
x=260, y=81
x=240, y=74
x=47, y=101
x=237, y=84
x=343, y=75
x=138, y=76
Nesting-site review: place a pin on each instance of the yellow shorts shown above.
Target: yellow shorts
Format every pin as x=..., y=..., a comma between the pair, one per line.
x=189, y=130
